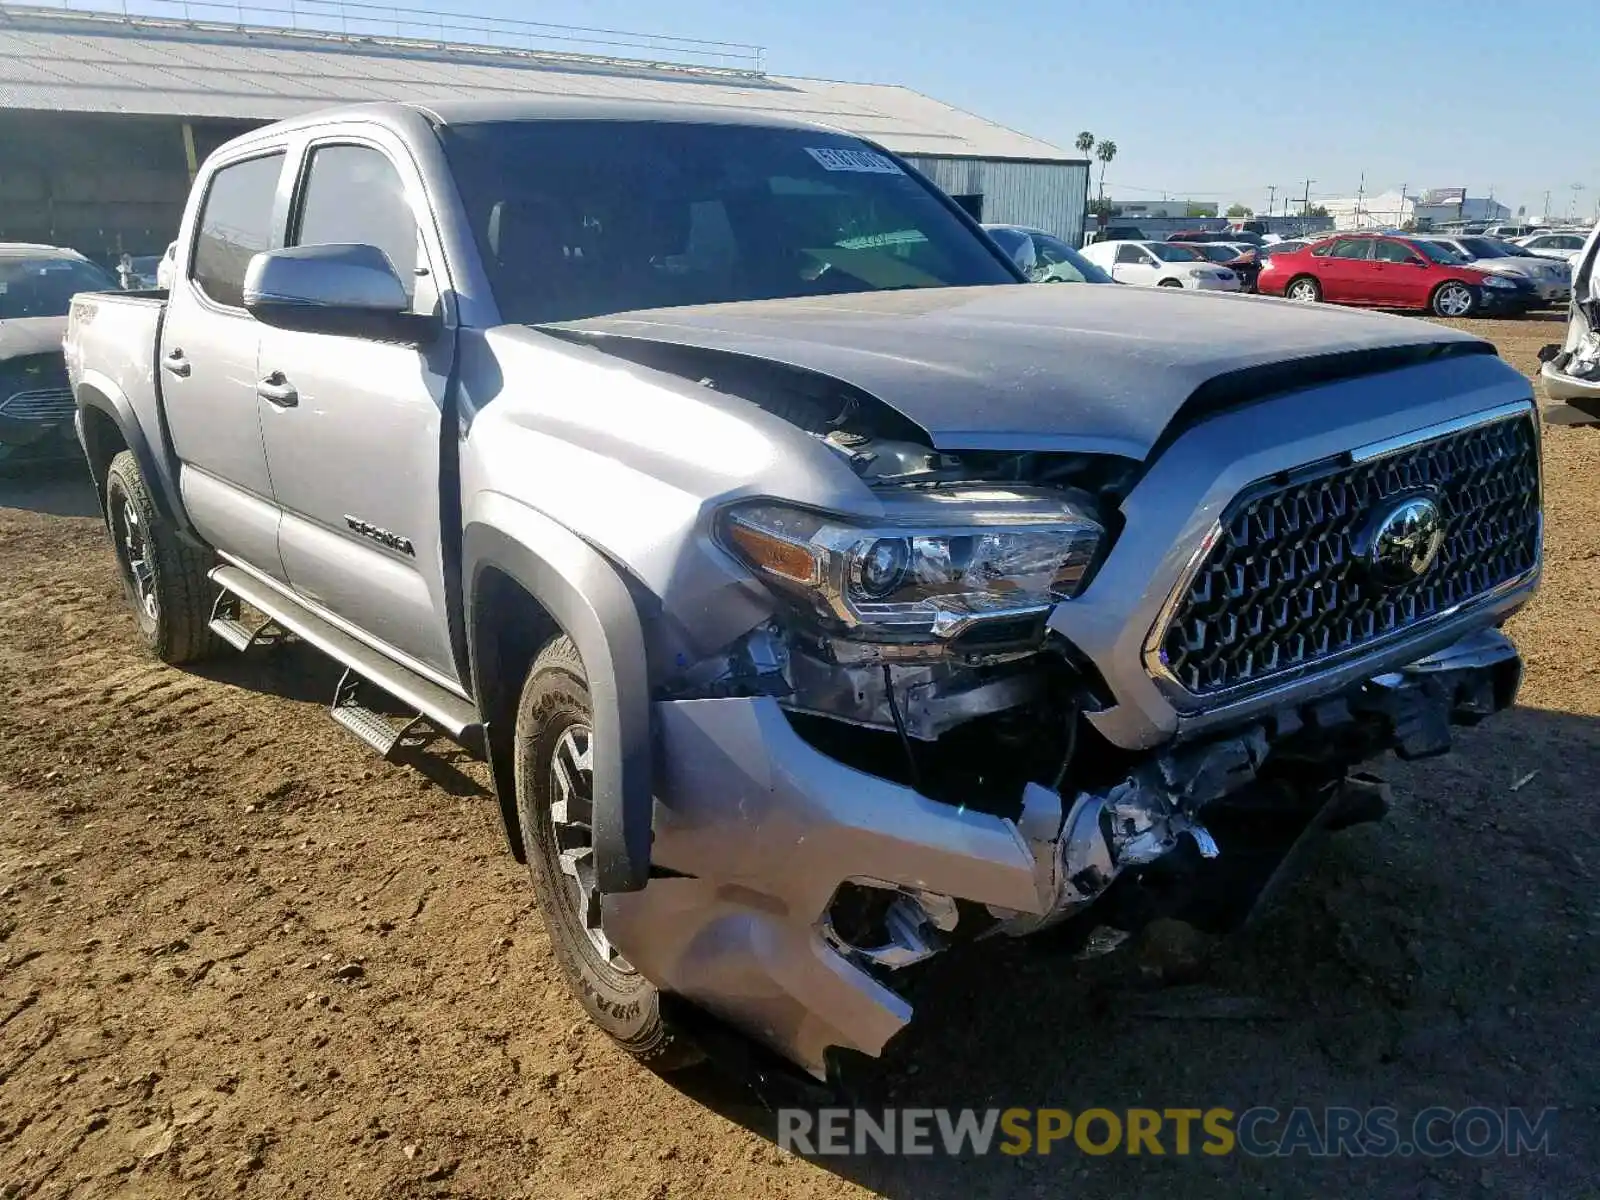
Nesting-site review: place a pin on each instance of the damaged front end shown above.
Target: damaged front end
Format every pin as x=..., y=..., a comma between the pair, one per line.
x=913, y=767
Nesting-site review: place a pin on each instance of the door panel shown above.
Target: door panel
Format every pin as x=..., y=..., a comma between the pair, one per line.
x=356, y=460
x=1395, y=275
x=355, y=465
x=208, y=369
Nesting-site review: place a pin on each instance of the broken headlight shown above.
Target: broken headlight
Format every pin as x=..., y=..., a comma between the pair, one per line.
x=936, y=564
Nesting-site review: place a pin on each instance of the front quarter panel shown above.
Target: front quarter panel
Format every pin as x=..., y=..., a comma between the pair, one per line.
x=636, y=463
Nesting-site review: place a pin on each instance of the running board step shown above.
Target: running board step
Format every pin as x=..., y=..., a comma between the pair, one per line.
x=373, y=728
x=225, y=623
x=450, y=714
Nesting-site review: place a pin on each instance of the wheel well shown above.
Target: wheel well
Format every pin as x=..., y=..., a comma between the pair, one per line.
x=102, y=441
x=508, y=629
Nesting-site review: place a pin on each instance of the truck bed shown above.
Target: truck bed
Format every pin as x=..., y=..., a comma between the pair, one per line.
x=119, y=333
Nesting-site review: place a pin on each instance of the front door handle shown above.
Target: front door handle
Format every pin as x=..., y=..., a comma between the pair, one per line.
x=176, y=364
x=276, y=389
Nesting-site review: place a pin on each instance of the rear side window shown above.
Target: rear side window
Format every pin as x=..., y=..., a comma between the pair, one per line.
x=354, y=195
x=1352, y=248
x=235, y=226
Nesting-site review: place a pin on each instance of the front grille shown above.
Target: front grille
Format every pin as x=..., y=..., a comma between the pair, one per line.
x=1286, y=586
x=45, y=404
x=34, y=388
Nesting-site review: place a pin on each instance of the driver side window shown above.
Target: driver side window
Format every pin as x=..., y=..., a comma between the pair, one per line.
x=353, y=194
x=1133, y=255
x=1394, y=252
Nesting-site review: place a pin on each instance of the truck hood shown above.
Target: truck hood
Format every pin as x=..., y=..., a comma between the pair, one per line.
x=31, y=335
x=1045, y=366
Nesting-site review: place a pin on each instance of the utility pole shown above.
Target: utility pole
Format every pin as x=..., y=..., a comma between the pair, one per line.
x=1305, y=204
x=1361, y=191
x=1272, y=196
x=1403, y=219
x=1545, y=215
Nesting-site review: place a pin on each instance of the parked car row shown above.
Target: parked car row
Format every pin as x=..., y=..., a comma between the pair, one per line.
x=1394, y=272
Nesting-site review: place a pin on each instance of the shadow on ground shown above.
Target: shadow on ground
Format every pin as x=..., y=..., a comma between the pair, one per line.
x=53, y=489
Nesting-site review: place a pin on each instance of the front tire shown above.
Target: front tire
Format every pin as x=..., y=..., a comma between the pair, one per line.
x=555, y=777
x=165, y=579
x=1173, y=283
x=1454, y=300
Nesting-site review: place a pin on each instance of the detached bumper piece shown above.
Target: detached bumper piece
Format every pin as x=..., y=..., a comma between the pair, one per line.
x=793, y=890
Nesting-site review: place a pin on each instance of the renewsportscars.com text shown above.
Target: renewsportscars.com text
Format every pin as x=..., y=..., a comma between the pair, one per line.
x=1260, y=1131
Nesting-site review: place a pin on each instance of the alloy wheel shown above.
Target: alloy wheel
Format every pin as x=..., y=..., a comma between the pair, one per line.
x=1454, y=300
x=572, y=822
x=133, y=546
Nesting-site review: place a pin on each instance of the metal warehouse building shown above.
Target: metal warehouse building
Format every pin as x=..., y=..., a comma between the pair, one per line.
x=105, y=116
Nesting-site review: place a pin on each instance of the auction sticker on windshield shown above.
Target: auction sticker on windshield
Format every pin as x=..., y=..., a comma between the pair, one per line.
x=865, y=161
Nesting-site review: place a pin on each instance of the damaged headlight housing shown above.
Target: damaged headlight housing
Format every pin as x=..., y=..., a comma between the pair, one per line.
x=942, y=562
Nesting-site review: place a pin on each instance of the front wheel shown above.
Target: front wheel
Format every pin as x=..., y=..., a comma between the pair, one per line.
x=165, y=579
x=1453, y=299
x=555, y=807
x=1305, y=290
x=1177, y=283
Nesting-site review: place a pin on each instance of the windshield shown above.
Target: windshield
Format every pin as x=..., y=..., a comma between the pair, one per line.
x=1065, y=263
x=1514, y=251
x=44, y=287
x=1482, y=247
x=1173, y=252
x=1439, y=253
x=1217, y=252
x=578, y=218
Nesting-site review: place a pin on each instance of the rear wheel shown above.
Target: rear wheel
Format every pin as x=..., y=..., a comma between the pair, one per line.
x=165, y=579
x=1453, y=299
x=1305, y=289
x=555, y=807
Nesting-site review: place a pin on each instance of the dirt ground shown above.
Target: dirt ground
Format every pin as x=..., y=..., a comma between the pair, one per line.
x=239, y=955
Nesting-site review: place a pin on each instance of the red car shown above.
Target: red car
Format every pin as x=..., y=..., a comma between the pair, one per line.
x=1389, y=272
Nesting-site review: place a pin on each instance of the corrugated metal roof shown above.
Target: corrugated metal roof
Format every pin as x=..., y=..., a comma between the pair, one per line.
x=128, y=65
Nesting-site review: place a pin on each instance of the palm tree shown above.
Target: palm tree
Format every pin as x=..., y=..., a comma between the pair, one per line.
x=1105, y=152
x=1085, y=142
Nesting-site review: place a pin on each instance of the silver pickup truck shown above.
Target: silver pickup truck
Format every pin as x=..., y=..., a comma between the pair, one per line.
x=822, y=596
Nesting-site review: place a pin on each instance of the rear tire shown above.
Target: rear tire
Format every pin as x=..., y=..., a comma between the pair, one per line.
x=1304, y=290
x=1454, y=300
x=165, y=579
x=554, y=808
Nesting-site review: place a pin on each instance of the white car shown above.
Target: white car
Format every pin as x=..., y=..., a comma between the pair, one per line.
x=1551, y=278
x=1161, y=264
x=1552, y=245
x=1571, y=369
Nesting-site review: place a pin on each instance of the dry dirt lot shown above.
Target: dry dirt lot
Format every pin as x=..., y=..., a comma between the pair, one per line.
x=239, y=956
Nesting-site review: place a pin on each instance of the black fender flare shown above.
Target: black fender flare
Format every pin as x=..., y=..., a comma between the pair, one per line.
x=153, y=466
x=589, y=600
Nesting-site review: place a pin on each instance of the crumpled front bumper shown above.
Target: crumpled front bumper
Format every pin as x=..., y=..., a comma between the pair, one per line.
x=756, y=830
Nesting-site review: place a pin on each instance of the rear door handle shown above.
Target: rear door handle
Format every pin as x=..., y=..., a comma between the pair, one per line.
x=276, y=389
x=176, y=364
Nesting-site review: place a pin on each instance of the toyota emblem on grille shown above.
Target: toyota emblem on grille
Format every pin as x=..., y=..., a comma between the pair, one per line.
x=1405, y=540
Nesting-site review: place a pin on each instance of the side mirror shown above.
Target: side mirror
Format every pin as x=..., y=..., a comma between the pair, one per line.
x=1547, y=353
x=349, y=290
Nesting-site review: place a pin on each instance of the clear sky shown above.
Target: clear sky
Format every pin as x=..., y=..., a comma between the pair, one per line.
x=1215, y=101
